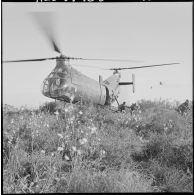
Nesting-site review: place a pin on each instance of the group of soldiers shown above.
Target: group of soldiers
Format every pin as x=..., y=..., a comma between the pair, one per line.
x=182, y=108
x=122, y=107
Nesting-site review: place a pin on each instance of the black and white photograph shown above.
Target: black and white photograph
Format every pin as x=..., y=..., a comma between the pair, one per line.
x=97, y=97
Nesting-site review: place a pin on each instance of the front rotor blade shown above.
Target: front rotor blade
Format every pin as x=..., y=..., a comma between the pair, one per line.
x=44, y=20
x=29, y=60
x=136, y=67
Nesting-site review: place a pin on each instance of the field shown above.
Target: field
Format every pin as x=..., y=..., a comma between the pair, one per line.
x=85, y=148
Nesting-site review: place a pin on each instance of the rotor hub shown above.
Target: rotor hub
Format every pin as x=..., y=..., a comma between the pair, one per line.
x=62, y=56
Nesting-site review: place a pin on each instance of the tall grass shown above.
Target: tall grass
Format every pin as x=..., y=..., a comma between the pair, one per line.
x=87, y=148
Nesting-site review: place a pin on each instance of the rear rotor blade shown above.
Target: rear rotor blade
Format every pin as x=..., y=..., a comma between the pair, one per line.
x=136, y=67
x=29, y=60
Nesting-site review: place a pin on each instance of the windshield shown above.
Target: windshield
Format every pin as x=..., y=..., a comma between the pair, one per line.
x=56, y=80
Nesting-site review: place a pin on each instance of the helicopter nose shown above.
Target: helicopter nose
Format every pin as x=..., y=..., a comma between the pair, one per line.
x=45, y=87
x=49, y=88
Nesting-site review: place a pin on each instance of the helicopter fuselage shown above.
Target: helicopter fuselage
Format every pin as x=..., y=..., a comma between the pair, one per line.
x=68, y=84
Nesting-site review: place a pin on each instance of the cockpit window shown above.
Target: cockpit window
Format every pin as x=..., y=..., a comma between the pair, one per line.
x=61, y=75
x=57, y=82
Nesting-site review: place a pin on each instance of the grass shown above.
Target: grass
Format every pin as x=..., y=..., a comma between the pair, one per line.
x=86, y=148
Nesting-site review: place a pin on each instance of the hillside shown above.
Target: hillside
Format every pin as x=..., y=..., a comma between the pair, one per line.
x=86, y=148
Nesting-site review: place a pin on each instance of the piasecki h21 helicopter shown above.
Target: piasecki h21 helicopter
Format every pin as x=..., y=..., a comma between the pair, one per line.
x=67, y=84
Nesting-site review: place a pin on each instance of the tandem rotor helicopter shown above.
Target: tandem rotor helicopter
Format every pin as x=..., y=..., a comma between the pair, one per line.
x=67, y=84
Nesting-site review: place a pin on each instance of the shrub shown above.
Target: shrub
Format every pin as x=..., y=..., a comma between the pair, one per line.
x=170, y=179
x=49, y=107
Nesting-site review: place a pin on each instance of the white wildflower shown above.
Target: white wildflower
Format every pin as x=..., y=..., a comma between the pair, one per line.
x=57, y=179
x=80, y=112
x=79, y=152
x=83, y=141
x=60, y=148
x=56, y=112
x=60, y=135
x=55, y=169
x=74, y=148
x=102, y=153
x=9, y=142
x=71, y=120
x=66, y=109
x=72, y=98
x=93, y=129
x=143, y=140
x=42, y=151
x=66, y=157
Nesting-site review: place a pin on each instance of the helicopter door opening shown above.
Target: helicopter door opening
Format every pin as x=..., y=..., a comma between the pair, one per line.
x=107, y=97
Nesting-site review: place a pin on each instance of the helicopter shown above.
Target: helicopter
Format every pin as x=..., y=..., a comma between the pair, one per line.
x=67, y=84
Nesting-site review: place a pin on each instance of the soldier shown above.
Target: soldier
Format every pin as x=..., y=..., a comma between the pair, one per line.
x=122, y=107
x=183, y=107
x=133, y=107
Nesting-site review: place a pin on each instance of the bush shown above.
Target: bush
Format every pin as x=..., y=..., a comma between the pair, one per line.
x=49, y=107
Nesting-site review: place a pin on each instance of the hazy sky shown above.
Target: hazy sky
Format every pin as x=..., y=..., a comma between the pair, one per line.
x=154, y=33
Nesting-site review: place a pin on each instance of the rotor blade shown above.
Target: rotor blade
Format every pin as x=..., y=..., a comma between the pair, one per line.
x=29, y=60
x=113, y=60
x=44, y=20
x=88, y=66
x=136, y=67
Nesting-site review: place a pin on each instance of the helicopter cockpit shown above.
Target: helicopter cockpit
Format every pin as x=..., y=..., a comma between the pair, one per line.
x=56, y=81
